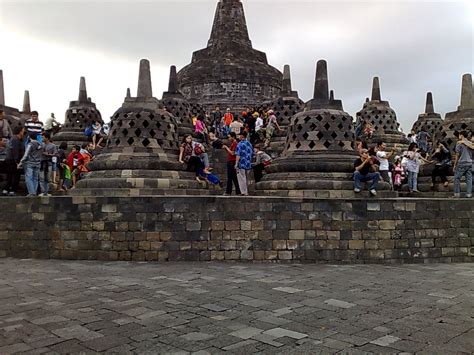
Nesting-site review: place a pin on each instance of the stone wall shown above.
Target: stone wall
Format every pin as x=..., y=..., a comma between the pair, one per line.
x=255, y=228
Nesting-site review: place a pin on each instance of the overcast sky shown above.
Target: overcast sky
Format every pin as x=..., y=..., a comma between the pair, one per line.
x=413, y=46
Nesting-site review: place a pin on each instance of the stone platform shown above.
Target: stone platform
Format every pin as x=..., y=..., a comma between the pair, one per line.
x=205, y=228
x=55, y=307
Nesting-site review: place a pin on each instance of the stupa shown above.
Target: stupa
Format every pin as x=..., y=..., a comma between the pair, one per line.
x=141, y=156
x=430, y=120
x=229, y=72
x=80, y=114
x=460, y=120
x=382, y=117
x=175, y=103
x=285, y=106
x=318, y=159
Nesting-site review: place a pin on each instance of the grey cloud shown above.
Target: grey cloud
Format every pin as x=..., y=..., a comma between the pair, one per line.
x=413, y=46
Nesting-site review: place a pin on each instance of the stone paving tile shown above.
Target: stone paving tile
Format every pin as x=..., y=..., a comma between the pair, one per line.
x=56, y=307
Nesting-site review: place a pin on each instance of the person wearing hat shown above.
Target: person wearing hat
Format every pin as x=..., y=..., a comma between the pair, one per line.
x=271, y=126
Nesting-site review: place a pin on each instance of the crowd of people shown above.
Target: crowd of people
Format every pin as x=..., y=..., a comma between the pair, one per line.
x=397, y=168
x=31, y=149
x=244, y=138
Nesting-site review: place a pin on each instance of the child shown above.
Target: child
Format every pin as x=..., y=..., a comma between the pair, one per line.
x=398, y=174
x=75, y=161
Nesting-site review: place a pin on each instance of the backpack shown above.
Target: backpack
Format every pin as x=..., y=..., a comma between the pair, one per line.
x=88, y=131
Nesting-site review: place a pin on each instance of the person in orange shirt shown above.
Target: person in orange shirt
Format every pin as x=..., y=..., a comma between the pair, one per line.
x=227, y=119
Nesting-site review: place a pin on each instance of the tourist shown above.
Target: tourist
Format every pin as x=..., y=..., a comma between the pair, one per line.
x=414, y=159
x=383, y=158
x=75, y=162
x=259, y=127
x=231, y=171
x=61, y=164
x=216, y=143
x=34, y=126
x=227, y=120
x=51, y=125
x=97, y=137
x=243, y=162
x=272, y=124
x=365, y=170
x=49, y=151
x=31, y=163
x=14, y=151
x=236, y=126
x=193, y=155
x=463, y=165
x=368, y=130
x=422, y=138
x=5, y=130
x=201, y=130
x=262, y=160
x=87, y=157
x=398, y=174
x=442, y=159
x=217, y=121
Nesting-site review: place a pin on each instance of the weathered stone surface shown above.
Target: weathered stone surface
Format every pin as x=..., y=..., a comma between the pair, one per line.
x=460, y=120
x=382, y=117
x=142, y=150
x=430, y=120
x=79, y=115
x=135, y=228
x=229, y=72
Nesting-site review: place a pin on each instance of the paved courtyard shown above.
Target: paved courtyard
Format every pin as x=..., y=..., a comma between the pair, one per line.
x=50, y=306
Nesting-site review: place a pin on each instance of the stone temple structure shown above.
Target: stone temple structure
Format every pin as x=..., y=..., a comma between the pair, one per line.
x=175, y=103
x=462, y=119
x=79, y=115
x=382, y=117
x=229, y=72
x=142, y=153
x=13, y=115
x=318, y=157
x=431, y=120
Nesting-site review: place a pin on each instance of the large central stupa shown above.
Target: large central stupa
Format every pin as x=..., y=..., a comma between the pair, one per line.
x=229, y=72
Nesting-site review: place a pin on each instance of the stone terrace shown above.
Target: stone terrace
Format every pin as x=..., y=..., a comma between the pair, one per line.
x=213, y=308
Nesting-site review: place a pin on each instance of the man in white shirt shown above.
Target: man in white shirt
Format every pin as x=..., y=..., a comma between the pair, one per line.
x=383, y=158
x=259, y=129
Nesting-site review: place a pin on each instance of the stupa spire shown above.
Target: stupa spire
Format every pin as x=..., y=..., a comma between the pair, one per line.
x=321, y=86
x=229, y=24
x=467, y=99
x=429, y=103
x=82, y=90
x=129, y=95
x=286, y=84
x=144, y=89
x=376, y=90
x=26, y=102
x=173, y=82
x=2, y=90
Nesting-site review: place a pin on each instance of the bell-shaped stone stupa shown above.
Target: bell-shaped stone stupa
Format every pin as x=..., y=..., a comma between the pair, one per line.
x=141, y=156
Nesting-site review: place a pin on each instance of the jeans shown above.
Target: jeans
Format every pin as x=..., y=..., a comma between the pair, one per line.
x=258, y=172
x=386, y=177
x=205, y=159
x=358, y=178
x=463, y=170
x=44, y=176
x=441, y=171
x=13, y=176
x=32, y=172
x=423, y=145
x=232, y=179
x=412, y=181
x=242, y=178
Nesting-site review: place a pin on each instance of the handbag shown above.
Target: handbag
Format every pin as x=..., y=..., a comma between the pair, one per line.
x=198, y=149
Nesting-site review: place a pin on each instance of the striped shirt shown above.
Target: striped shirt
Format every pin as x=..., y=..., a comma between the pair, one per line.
x=33, y=127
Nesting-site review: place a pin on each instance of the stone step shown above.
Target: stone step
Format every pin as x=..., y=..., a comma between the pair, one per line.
x=325, y=194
